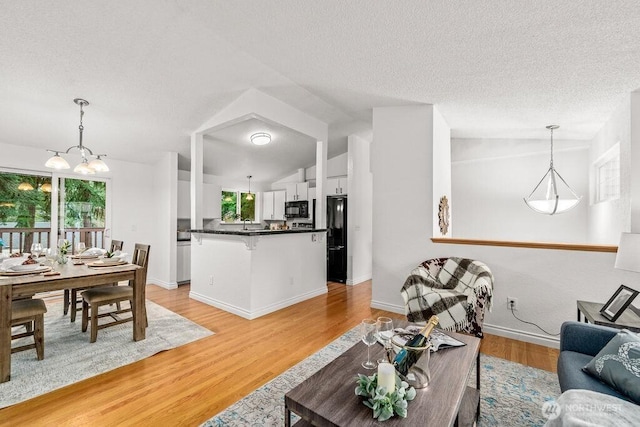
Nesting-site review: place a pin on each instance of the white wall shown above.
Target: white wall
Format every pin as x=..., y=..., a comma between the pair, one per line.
x=608, y=219
x=547, y=283
x=359, y=218
x=488, y=190
x=134, y=201
x=165, y=183
x=401, y=163
x=441, y=168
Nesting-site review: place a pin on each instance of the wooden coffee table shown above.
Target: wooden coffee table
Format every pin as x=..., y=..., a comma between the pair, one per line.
x=328, y=397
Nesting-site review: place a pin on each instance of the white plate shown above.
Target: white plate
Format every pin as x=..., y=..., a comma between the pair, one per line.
x=26, y=267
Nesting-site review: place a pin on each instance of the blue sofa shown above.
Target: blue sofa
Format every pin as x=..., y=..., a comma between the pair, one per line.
x=579, y=343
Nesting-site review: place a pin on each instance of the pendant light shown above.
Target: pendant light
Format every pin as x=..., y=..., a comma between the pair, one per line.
x=551, y=202
x=249, y=195
x=84, y=167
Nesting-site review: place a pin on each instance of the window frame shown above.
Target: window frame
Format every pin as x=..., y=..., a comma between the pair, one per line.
x=608, y=177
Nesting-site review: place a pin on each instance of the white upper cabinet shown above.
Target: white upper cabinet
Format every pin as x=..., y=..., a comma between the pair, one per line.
x=336, y=186
x=278, y=204
x=297, y=191
x=273, y=205
x=184, y=199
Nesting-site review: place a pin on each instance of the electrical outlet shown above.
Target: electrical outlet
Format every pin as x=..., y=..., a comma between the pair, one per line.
x=512, y=303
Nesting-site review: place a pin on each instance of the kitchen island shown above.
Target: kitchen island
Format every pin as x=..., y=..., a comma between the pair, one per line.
x=251, y=273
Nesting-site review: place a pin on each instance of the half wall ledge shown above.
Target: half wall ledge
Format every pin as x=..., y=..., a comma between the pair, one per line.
x=532, y=245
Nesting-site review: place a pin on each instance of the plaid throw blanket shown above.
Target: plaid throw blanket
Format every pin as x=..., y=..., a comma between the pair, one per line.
x=457, y=290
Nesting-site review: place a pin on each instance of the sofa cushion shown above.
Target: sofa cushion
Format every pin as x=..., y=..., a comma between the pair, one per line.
x=571, y=375
x=618, y=364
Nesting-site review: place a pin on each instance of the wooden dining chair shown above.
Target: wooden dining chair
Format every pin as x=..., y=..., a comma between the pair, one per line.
x=74, y=300
x=95, y=298
x=29, y=312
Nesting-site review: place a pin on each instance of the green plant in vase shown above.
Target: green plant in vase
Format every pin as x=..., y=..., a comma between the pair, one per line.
x=384, y=405
x=63, y=249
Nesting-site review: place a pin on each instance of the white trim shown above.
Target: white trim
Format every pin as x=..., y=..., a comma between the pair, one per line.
x=525, y=336
x=162, y=284
x=388, y=307
x=358, y=280
x=501, y=331
x=253, y=314
x=519, y=155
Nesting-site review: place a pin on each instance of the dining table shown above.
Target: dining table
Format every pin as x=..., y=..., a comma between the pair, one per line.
x=70, y=276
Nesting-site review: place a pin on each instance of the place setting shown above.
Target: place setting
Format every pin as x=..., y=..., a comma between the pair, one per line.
x=20, y=264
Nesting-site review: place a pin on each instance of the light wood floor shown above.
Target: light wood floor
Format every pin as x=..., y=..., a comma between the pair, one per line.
x=189, y=384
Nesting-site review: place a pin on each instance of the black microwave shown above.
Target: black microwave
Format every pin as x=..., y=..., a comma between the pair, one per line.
x=298, y=209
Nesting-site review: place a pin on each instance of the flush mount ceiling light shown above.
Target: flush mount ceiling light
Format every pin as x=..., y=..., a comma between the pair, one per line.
x=249, y=195
x=261, y=138
x=84, y=167
x=551, y=202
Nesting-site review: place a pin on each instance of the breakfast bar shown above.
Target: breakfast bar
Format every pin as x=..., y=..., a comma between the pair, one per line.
x=254, y=272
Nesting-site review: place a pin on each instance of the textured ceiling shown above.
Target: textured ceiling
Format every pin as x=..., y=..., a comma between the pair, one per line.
x=154, y=71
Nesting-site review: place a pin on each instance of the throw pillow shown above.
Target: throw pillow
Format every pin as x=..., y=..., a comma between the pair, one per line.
x=618, y=364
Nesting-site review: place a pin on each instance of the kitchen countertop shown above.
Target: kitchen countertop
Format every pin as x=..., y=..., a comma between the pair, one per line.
x=184, y=240
x=260, y=232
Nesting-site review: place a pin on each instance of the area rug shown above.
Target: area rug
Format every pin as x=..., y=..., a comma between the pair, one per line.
x=511, y=394
x=69, y=357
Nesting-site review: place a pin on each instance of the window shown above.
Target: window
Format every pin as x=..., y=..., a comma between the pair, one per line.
x=27, y=205
x=607, y=175
x=232, y=211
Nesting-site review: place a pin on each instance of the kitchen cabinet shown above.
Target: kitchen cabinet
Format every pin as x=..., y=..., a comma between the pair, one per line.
x=273, y=205
x=336, y=186
x=183, y=257
x=297, y=191
x=184, y=199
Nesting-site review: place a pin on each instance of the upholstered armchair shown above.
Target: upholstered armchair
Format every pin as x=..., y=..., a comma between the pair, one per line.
x=457, y=290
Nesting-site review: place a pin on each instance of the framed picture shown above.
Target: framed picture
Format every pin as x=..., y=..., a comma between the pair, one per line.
x=618, y=302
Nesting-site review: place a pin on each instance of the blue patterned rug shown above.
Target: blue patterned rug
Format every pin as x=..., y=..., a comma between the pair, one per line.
x=511, y=394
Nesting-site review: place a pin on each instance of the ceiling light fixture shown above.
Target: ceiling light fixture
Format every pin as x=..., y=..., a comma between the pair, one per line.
x=84, y=167
x=261, y=138
x=249, y=195
x=550, y=202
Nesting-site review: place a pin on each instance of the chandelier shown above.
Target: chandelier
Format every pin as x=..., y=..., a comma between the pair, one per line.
x=85, y=167
x=550, y=202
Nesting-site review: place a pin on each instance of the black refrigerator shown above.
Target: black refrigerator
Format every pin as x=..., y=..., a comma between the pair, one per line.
x=337, y=239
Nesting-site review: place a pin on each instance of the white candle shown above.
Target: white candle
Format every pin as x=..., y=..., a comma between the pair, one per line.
x=387, y=377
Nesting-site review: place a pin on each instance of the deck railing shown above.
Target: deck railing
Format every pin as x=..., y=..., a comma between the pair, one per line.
x=20, y=239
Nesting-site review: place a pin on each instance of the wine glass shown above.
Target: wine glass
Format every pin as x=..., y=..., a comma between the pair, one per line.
x=80, y=248
x=368, y=330
x=36, y=250
x=52, y=255
x=384, y=327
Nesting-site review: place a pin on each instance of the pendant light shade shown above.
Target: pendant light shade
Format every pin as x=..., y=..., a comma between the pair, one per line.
x=25, y=186
x=249, y=195
x=555, y=196
x=57, y=162
x=84, y=167
x=46, y=187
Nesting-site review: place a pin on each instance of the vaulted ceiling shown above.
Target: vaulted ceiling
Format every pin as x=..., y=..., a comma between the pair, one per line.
x=154, y=71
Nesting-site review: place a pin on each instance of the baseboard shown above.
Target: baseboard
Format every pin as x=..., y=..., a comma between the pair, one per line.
x=501, y=331
x=388, y=307
x=530, y=337
x=162, y=283
x=358, y=280
x=254, y=314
